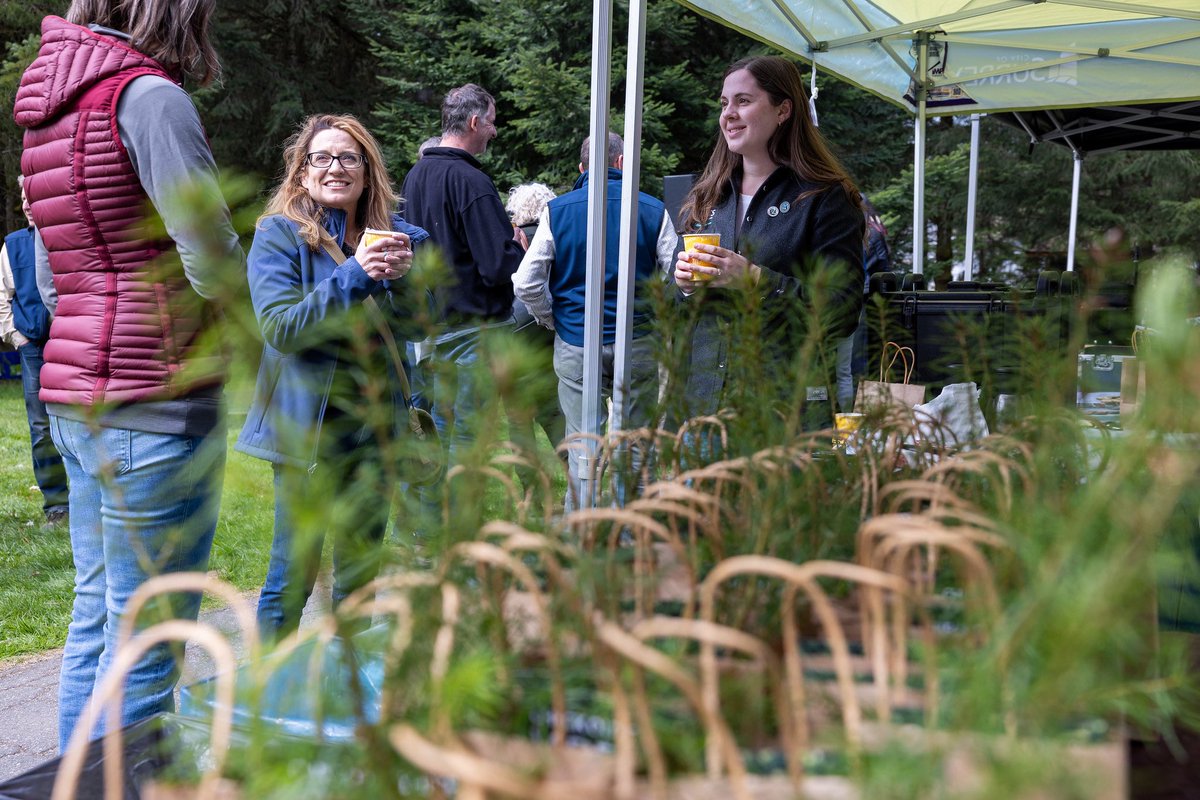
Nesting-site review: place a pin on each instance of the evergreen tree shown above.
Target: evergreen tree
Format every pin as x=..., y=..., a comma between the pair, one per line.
x=535, y=58
x=281, y=62
x=391, y=64
x=20, y=30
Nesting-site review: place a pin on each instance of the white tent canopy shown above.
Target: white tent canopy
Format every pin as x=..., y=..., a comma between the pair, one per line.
x=1106, y=129
x=987, y=56
x=983, y=56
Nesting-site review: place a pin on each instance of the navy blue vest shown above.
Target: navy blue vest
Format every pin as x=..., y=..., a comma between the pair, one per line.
x=568, y=277
x=30, y=317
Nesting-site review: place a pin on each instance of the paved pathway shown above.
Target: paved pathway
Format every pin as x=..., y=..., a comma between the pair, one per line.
x=28, y=705
x=29, y=691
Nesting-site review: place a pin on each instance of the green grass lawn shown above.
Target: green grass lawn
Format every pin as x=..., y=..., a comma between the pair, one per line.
x=36, y=573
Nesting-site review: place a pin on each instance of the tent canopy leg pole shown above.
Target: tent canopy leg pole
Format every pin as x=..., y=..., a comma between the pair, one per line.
x=594, y=303
x=972, y=190
x=918, y=260
x=1074, y=210
x=630, y=180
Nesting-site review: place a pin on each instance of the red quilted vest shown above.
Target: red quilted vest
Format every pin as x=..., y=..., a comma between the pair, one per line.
x=126, y=323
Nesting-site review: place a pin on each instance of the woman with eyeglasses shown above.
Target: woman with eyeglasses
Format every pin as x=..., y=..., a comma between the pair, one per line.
x=332, y=306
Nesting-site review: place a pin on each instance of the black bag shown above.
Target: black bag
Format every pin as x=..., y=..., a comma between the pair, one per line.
x=422, y=462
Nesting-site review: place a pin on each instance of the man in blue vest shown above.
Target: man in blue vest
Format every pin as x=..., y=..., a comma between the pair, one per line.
x=552, y=280
x=25, y=324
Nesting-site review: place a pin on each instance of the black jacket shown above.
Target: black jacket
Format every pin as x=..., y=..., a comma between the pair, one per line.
x=784, y=235
x=448, y=194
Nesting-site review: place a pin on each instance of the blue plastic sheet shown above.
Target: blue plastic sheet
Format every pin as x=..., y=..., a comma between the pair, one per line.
x=310, y=692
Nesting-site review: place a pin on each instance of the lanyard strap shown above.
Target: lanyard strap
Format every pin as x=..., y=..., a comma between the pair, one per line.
x=385, y=331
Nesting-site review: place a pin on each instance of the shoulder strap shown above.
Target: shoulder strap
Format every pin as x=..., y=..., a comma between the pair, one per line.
x=376, y=315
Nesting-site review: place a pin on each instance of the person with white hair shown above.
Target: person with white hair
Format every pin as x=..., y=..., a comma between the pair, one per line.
x=432, y=141
x=525, y=204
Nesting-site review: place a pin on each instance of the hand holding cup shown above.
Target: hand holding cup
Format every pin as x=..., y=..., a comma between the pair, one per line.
x=703, y=260
x=384, y=255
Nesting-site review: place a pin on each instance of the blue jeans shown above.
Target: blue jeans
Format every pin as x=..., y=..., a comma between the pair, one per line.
x=845, y=373
x=345, y=497
x=859, y=360
x=643, y=390
x=416, y=378
x=48, y=469
x=142, y=504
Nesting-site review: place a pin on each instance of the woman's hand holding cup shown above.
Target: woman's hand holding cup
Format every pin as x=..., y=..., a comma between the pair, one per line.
x=384, y=255
x=705, y=261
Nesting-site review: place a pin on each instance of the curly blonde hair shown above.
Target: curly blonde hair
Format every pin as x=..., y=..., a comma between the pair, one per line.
x=525, y=202
x=292, y=200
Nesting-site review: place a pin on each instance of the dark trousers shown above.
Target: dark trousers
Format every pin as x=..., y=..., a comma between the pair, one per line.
x=48, y=469
x=346, y=497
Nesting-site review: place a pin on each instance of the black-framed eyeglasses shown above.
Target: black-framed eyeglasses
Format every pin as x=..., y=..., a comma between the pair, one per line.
x=321, y=160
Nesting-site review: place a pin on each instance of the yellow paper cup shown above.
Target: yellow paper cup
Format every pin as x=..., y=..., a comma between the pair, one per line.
x=690, y=240
x=372, y=235
x=846, y=424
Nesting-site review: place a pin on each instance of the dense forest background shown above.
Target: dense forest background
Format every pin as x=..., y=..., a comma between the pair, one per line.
x=390, y=63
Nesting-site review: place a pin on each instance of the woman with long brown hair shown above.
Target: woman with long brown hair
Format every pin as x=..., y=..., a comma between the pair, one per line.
x=320, y=289
x=783, y=206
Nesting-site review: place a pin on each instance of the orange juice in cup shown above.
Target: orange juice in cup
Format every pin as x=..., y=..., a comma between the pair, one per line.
x=690, y=240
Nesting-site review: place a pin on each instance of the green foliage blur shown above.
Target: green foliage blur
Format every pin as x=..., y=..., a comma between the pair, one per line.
x=1091, y=525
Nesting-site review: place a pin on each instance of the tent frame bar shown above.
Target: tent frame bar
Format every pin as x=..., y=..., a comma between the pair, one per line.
x=918, y=232
x=920, y=26
x=932, y=24
x=972, y=191
x=630, y=181
x=593, y=313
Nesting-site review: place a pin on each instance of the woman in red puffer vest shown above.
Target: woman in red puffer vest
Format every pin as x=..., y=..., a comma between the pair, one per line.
x=132, y=381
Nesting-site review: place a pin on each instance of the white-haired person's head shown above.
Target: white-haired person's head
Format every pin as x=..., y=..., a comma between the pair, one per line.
x=432, y=141
x=525, y=202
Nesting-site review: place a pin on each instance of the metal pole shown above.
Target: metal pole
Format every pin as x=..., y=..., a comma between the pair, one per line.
x=972, y=189
x=1074, y=210
x=630, y=180
x=593, y=330
x=918, y=264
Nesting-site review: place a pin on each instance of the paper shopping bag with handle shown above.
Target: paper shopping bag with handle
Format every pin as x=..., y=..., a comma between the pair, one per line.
x=1133, y=379
x=884, y=392
x=1133, y=388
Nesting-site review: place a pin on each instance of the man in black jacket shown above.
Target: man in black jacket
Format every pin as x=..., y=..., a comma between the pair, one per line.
x=448, y=194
